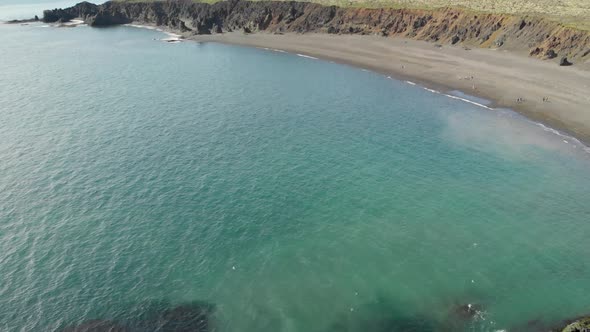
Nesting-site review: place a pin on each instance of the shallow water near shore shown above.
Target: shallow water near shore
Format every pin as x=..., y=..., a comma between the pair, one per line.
x=291, y=193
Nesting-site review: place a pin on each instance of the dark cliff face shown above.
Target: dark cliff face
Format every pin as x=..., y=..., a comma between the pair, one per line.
x=540, y=37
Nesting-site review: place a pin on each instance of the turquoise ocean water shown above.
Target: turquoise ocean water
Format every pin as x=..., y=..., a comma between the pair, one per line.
x=292, y=194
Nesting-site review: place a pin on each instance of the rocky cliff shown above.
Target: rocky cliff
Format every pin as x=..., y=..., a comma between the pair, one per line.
x=538, y=36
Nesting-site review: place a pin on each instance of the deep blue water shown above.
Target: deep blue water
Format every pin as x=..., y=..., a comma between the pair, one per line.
x=292, y=194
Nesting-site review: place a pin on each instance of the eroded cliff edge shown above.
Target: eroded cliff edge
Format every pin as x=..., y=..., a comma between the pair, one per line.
x=539, y=37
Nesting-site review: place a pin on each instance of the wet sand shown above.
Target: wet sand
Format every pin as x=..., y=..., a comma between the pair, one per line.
x=508, y=79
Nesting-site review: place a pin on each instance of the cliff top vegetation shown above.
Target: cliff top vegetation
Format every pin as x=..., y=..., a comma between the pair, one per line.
x=571, y=13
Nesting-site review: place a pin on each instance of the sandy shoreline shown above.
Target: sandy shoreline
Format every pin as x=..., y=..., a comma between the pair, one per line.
x=498, y=76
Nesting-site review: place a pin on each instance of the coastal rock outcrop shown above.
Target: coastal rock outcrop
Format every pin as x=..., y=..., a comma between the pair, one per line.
x=582, y=325
x=34, y=19
x=538, y=36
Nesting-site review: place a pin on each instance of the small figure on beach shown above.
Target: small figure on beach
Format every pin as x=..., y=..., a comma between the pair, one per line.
x=545, y=99
x=519, y=100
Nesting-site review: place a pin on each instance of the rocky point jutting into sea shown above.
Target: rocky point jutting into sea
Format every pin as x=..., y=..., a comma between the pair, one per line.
x=538, y=36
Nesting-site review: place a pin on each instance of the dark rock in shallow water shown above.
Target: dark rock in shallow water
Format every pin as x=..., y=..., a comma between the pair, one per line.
x=386, y=324
x=383, y=316
x=97, y=326
x=564, y=62
x=466, y=311
x=161, y=316
x=35, y=19
x=154, y=316
x=189, y=318
x=579, y=325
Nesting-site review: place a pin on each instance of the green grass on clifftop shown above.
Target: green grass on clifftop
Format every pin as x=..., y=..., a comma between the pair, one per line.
x=572, y=13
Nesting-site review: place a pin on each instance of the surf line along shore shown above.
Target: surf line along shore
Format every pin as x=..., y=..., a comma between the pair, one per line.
x=553, y=95
x=548, y=94
x=385, y=40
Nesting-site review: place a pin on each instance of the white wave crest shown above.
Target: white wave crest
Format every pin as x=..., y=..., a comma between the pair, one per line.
x=307, y=56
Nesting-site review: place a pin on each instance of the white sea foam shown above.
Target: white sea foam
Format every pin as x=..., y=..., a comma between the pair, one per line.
x=273, y=50
x=568, y=139
x=142, y=26
x=307, y=56
x=172, y=37
x=409, y=82
x=469, y=101
x=73, y=23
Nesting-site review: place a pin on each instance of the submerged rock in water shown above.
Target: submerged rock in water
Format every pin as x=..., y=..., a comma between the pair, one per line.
x=154, y=316
x=163, y=317
x=466, y=311
x=34, y=19
x=97, y=326
x=383, y=316
x=386, y=324
x=188, y=317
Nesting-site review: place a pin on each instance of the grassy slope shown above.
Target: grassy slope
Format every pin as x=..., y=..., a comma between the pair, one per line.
x=573, y=13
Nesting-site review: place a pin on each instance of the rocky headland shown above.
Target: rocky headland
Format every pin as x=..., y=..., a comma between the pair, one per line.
x=539, y=37
x=31, y=20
